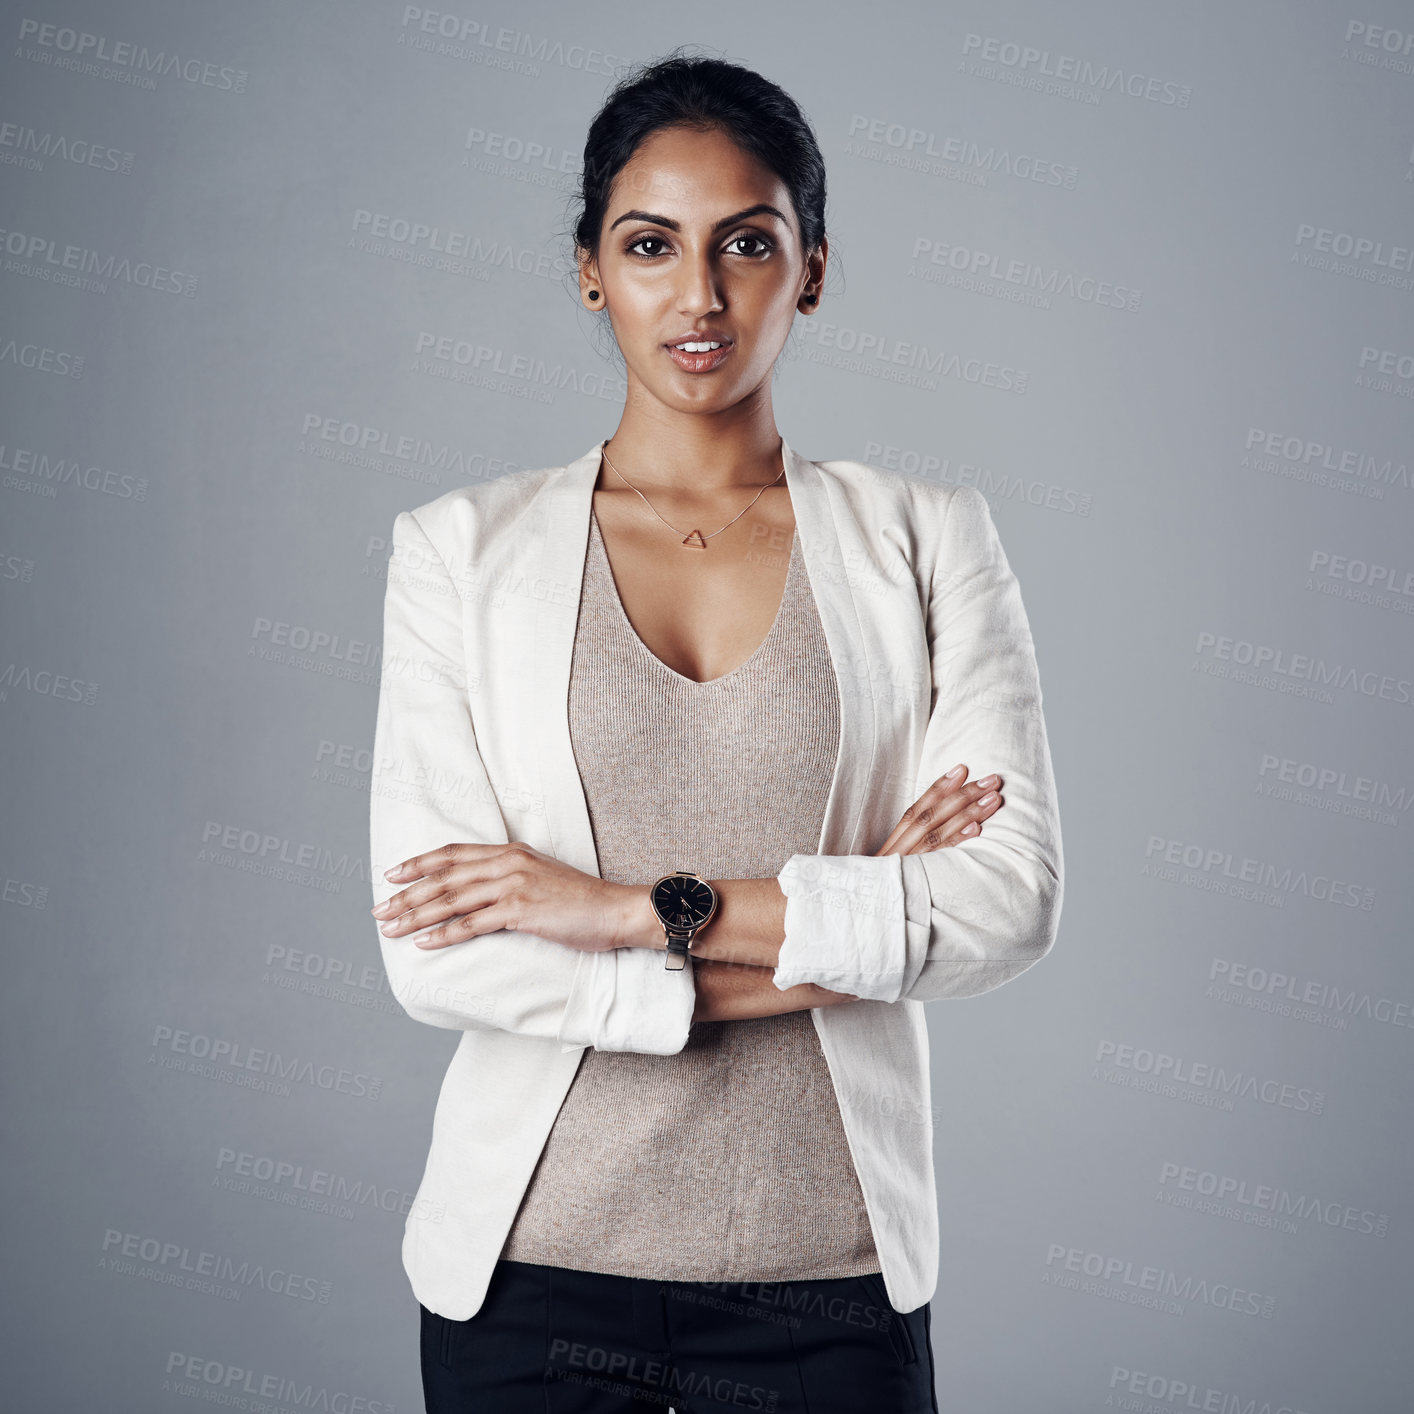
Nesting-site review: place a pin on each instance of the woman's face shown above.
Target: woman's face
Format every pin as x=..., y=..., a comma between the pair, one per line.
x=677, y=256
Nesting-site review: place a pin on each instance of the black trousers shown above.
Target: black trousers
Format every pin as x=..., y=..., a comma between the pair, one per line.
x=550, y=1340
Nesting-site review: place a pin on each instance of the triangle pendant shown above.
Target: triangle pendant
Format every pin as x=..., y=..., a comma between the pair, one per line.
x=696, y=540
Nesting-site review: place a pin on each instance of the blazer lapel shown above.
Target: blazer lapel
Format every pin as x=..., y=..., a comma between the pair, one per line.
x=831, y=544
x=560, y=553
x=828, y=536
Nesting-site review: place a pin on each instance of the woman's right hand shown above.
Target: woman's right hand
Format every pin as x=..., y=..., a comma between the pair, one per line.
x=948, y=812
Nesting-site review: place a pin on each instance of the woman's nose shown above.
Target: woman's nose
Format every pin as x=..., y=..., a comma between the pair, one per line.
x=698, y=292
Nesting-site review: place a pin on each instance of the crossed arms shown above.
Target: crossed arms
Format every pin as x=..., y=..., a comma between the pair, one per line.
x=525, y=943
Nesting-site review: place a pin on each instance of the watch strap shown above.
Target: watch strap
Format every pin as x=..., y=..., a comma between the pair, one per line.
x=679, y=945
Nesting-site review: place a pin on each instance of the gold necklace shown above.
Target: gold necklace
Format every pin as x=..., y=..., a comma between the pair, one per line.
x=695, y=540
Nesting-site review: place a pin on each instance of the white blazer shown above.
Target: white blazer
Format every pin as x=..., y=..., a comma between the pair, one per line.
x=935, y=665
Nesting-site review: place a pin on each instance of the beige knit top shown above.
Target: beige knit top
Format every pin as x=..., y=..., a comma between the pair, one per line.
x=727, y=1161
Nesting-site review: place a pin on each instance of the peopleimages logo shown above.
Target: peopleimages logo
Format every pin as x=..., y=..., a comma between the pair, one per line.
x=940, y=154
x=1368, y=257
x=966, y=267
x=1063, y=69
x=1225, y=872
x=219, y=1059
x=236, y=1387
x=51, y=469
x=1265, y=1204
x=175, y=1264
x=299, y=857
x=43, y=257
x=1338, y=783
x=1121, y=1279
x=314, y=1189
x=26, y=147
x=1128, y=1387
x=627, y=1372
x=1372, y=582
x=499, y=46
x=881, y=355
x=44, y=682
x=1298, y=995
x=65, y=47
x=1215, y=1082
x=1300, y=674
x=1316, y=460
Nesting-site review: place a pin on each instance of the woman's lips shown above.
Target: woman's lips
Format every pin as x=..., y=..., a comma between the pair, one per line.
x=698, y=362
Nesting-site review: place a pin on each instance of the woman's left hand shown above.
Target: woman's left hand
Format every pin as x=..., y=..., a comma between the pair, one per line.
x=471, y=889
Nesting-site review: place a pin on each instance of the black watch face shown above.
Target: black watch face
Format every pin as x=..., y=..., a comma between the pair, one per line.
x=681, y=902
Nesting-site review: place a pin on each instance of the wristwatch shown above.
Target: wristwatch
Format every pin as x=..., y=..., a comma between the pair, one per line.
x=684, y=902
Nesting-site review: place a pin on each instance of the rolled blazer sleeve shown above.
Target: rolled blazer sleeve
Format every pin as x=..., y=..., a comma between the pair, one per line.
x=958, y=921
x=429, y=788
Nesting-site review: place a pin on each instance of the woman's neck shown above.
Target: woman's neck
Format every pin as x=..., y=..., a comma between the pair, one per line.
x=695, y=454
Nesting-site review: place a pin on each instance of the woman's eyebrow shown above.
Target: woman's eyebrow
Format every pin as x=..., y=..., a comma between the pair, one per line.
x=761, y=208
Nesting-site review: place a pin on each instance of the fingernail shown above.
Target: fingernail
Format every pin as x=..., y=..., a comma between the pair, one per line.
x=393, y=872
x=971, y=829
x=956, y=771
x=987, y=781
x=987, y=799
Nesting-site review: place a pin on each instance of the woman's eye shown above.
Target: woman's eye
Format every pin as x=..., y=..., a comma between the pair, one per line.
x=763, y=245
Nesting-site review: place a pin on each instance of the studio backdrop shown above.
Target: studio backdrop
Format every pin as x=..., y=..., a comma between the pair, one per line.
x=1143, y=274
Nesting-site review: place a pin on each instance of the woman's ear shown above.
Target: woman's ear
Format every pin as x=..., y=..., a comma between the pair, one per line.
x=591, y=291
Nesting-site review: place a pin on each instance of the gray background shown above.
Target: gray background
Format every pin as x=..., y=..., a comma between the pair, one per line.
x=1173, y=1160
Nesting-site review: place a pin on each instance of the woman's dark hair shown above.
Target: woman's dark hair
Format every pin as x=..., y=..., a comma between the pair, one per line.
x=684, y=91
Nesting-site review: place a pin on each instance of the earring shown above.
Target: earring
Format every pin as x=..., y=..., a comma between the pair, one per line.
x=810, y=299
x=594, y=294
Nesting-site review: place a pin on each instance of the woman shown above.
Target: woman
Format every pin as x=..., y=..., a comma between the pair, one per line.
x=647, y=724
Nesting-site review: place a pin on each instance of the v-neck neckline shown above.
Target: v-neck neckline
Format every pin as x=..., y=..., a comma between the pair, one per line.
x=633, y=633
